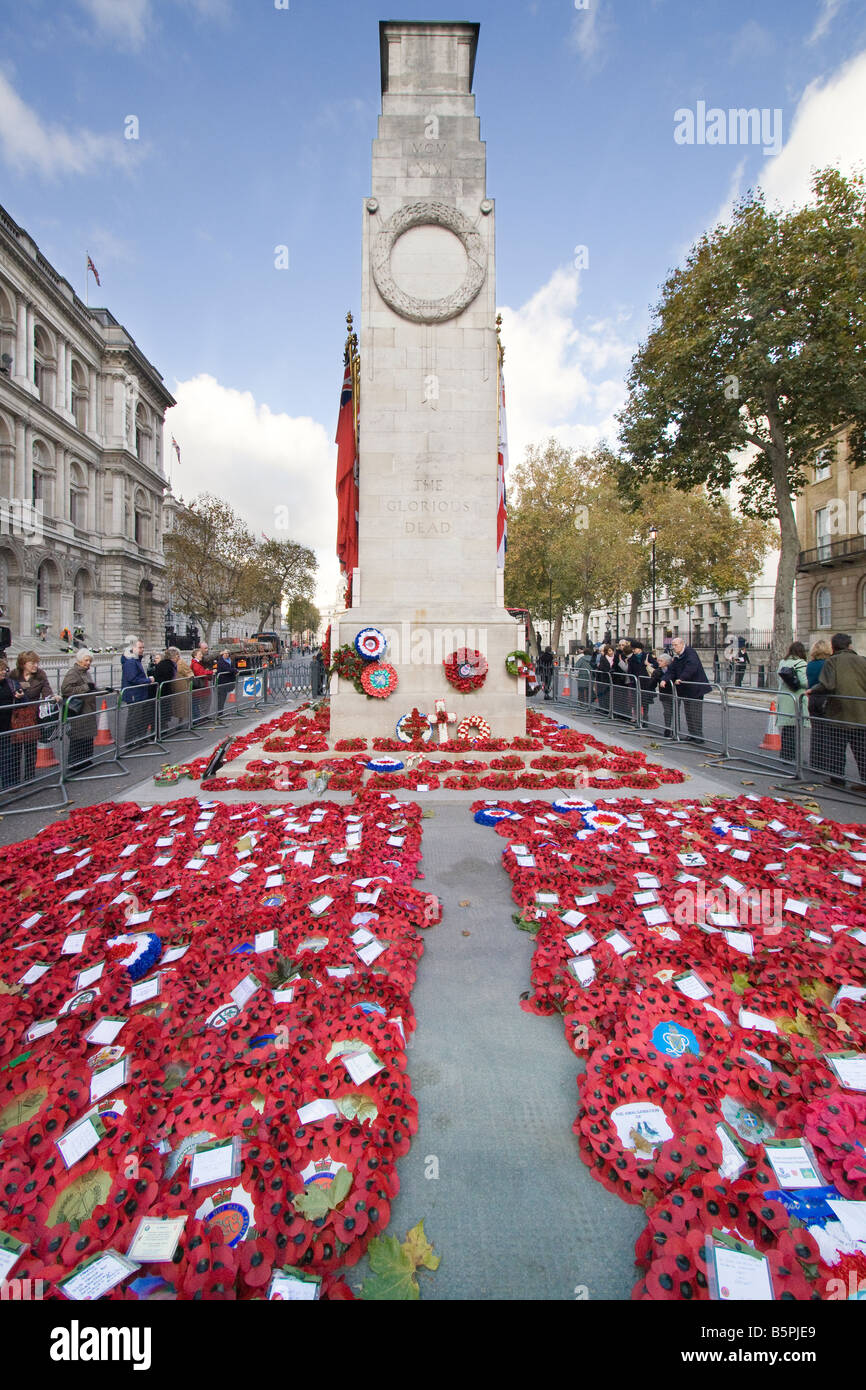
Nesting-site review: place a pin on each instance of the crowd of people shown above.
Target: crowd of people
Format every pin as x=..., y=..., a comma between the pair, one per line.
x=175, y=680
x=31, y=711
x=823, y=690
x=610, y=676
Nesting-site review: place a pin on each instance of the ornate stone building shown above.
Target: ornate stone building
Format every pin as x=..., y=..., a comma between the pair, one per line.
x=81, y=467
x=831, y=519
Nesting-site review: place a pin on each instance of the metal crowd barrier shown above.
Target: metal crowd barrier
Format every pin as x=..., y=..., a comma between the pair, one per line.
x=90, y=744
x=785, y=741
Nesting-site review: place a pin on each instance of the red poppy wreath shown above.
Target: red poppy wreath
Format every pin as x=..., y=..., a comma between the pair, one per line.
x=465, y=669
x=379, y=680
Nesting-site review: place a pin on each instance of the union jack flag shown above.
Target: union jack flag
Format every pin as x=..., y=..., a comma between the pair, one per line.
x=92, y=267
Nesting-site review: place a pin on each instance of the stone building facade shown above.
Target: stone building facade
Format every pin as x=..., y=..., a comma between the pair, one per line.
x=831, y=519
x=81, y=462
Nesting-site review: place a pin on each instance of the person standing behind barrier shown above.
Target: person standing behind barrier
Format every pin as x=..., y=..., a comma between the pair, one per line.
x=660, y=681
x=25, y=717
x=741, y=661
x=729, y=656
x=619, y=676
x=583, y=675
x=317, y=674
x=816, y=704
x=10, y=695
x=138, y=688
x=792, y=677
x=78, y=689
x=225, y=679
x=690, y=681
x=637, y=667
x=545, y=670
x=202, y=676
x=604, y=678
x=165, y=675
x=844, y=677
x=182, y=685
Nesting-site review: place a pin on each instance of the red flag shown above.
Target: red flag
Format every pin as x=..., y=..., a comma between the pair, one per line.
x=91, y=266
x=502, y=468
x=347, y=478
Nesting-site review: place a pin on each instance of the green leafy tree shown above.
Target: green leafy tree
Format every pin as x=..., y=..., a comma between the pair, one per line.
x=702, y=544
x=207, y=556
x=569, y=543
x=280, y=572
x=756, y=357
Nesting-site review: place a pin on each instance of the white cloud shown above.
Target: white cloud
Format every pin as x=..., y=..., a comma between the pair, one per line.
x=210, y=9
x=125, y=21
x=829, y=127
x=827, y=13
x=259, y=461
x=589, y=31
x=27, y=142
x=129, y=23
x=556, y=371
x=750, y=42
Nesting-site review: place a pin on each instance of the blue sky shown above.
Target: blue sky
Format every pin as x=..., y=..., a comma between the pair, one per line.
x=255, y=126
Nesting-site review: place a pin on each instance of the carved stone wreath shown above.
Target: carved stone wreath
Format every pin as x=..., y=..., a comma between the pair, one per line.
x=429, y=215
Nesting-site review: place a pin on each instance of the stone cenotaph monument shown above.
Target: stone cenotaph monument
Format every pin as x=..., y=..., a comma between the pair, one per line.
x=427, y=573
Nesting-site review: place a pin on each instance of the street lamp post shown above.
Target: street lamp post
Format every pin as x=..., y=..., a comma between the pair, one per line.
x=550, y=613
x=653, y=535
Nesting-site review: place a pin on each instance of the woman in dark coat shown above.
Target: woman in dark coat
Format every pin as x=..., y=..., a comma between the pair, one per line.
x=35, y=688
x=10, y=694
x=603, y=677
x=78, y=689
x=165, y=677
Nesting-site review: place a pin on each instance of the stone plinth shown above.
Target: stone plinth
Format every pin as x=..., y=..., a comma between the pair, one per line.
x=427, y=572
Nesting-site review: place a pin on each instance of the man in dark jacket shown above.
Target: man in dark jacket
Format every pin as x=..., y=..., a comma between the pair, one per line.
x=691, y=685
x=137, y=688
x=545, y=670
x=225, y=678
x=844, y=676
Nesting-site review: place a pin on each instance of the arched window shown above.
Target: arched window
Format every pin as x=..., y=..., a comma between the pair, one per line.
x=80, y=393
x=823, y=607
x=7, y=461
x=7, y=333
x=78, y=496
x=47, y=589
x=41, y=478
x=145, y=590
x=862, y=605
x=43, y=362
x=142, y=519
x=81, y=590
x=143, y=434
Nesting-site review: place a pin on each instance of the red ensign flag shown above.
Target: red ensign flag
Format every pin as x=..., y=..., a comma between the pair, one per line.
x=347, y=478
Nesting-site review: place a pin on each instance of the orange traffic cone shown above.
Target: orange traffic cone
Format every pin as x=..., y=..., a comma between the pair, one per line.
x=566, y=687
x=103, y=732
x=772, y=740
x=45, y=756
